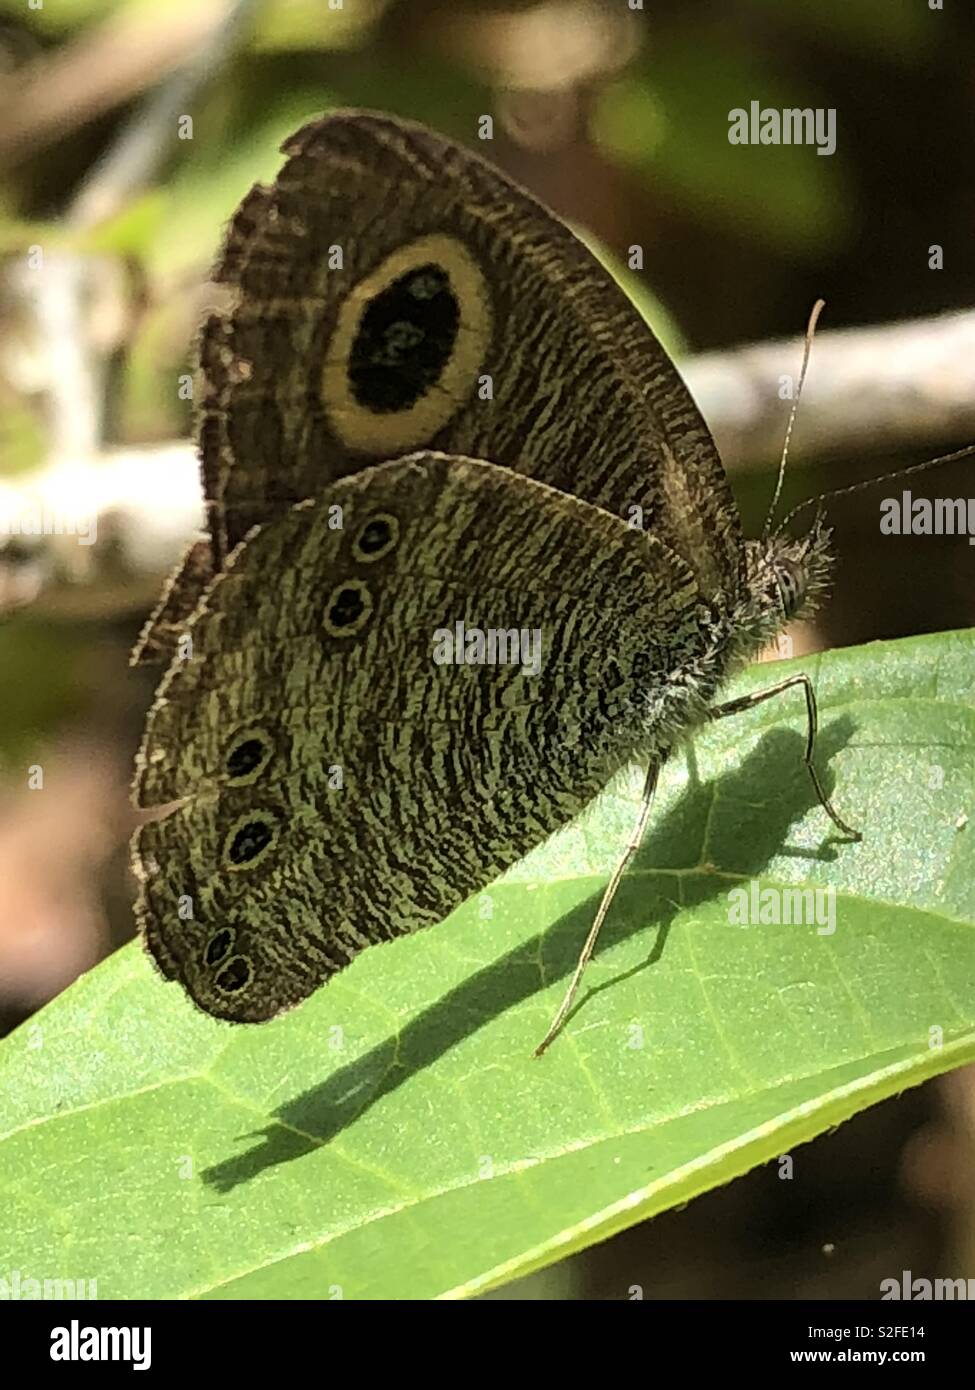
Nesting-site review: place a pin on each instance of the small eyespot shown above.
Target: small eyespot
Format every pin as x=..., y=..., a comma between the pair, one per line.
x=376, y=538
x=348, y=608
x=218, y=946
x=234, y=976
x=249, y=839
x=249, y=755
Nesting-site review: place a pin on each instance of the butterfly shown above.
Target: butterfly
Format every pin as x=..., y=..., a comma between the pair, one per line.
x=426, y=410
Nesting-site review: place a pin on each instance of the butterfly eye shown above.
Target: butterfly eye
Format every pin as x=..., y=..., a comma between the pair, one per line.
x=376, y=538
x=348, y=609
x=249, y=840
x=249, y=755
x=791, y=581
x=234, y=976
x=218, y=946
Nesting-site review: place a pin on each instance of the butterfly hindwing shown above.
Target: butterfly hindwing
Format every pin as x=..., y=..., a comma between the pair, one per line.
x=341, y=782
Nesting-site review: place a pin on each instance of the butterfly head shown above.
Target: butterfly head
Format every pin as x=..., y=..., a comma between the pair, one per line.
x=786, y=577
x=801, y=569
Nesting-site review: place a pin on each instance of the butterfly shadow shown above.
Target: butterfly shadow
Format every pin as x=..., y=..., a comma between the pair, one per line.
x=769, y=791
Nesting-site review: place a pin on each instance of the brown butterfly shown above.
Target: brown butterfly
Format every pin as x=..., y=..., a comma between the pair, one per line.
x=425, y=405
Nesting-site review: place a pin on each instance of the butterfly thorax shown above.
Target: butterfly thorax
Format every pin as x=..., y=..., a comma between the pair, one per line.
x=783, y=578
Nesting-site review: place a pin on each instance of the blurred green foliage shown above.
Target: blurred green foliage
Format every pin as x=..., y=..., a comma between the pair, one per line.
x=670, y=121
x=42, y=685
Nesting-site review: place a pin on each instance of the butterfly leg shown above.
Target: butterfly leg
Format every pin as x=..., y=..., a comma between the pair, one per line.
x=812, y=728
x=636, y=838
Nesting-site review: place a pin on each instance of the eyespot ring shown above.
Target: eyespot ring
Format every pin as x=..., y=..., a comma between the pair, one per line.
x=234, y=976
x=364, y=423
x=251, y=751
x=220, y=943
x=376, y=537
x=348, y=608
x=249, y=840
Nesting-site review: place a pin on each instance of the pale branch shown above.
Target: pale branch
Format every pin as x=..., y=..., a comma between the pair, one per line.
x=896, y=393
x=131, y=162
x=113, y=63
x=887, y=392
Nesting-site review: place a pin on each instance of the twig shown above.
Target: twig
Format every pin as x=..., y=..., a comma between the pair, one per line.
x=133, y=159
x=895, y=389
x=897, y=392
x=124, y=56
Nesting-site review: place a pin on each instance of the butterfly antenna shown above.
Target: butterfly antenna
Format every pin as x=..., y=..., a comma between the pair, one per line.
x=817, y=309
x=883, y=478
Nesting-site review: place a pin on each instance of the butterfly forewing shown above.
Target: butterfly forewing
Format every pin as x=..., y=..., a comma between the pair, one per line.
x=393, y=291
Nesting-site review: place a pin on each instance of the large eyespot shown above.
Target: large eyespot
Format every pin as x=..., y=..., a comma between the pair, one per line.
x=249, y=840
x=219, y=945
x=348, y=608
x=248, y=756
x=376, y=537
x=407, y=348
x=404, y=340
x=234, y=976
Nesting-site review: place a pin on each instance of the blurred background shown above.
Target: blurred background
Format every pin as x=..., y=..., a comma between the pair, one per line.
x=128, y=133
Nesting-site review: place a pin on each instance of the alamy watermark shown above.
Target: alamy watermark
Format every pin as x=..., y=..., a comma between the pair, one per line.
x=489, y=646
x=77, y=1342
x=15, y=1285
x=764, y=125
x=751, y=905
x=42, y=520
x=926, y=1290
x=928, y=516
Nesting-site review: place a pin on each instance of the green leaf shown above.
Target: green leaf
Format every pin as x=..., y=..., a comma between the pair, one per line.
x=394, y=1137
